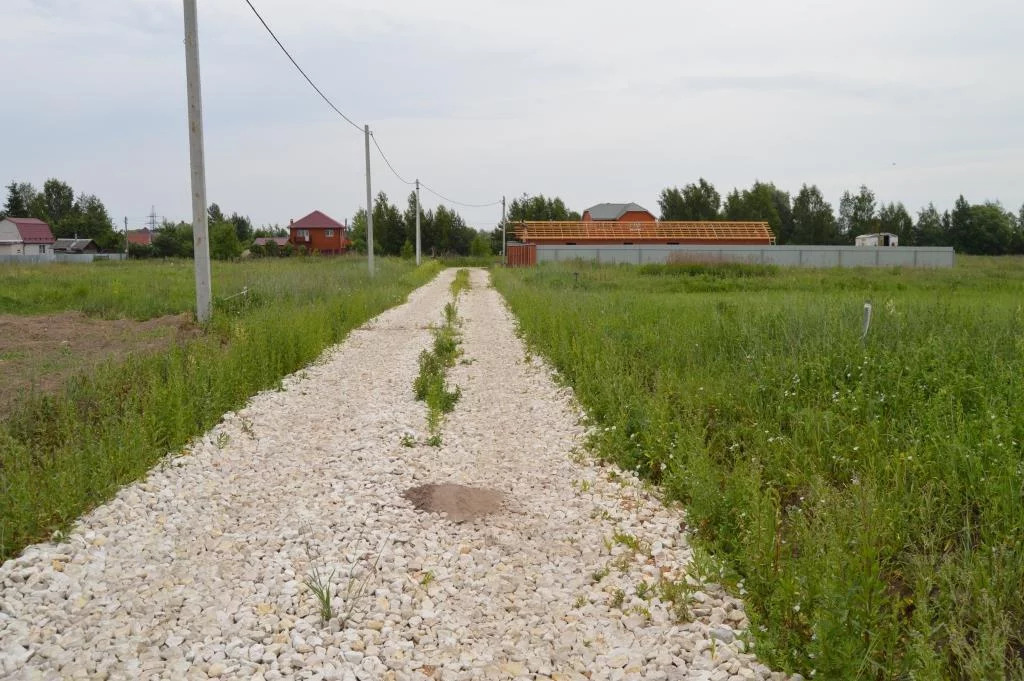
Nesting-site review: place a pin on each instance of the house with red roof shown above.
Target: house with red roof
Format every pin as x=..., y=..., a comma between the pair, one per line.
x=140, y=237
x=319, y=233
x=25, y=236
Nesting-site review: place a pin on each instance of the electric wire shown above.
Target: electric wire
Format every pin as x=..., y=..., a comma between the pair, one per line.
x=459, y=203
x=384, y=156
x=296, y=65
x=356, y=125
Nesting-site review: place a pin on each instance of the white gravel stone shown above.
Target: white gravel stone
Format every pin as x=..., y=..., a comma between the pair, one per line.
x=198, y=570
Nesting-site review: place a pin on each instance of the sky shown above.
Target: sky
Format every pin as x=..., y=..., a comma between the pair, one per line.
x=592, y=101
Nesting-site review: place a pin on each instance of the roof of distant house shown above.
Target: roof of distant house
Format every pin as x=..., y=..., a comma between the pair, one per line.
x=140, y=237
x=316, y=220
x=264, y=240
x=71, y=244
x=613, y=211
x=33, y=231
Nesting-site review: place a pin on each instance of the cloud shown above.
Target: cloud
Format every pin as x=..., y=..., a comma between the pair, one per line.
x=593, y=101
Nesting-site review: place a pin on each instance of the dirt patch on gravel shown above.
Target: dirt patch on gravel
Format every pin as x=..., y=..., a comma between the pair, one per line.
x=39, y=353
x=459, y=502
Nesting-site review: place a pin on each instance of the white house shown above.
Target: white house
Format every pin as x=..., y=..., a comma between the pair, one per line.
x=25, y=236
x=877, y=239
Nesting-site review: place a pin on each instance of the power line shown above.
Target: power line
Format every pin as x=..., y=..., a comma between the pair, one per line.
x=353, y=123
x=402, y=179
x=296, y=64
x=459, y=203
x=383, y=156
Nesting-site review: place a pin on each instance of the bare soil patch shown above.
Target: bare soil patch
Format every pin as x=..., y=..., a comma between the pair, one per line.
x=459, y=502
x=40, y=353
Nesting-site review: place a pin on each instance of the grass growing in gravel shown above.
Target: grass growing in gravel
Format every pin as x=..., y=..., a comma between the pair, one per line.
x=63, y=453
x=869, y=495
x=460, y=283
x=431, y=385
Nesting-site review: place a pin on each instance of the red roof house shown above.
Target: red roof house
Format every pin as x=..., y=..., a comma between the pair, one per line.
x=617, y=212
x=319, y=233
x=25, y=236
x=140, y=237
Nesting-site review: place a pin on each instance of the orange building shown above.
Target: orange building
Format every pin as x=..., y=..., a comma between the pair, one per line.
x=319, y=233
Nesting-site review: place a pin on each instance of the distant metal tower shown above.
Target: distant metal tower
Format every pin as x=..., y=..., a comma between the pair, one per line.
x=152, y=218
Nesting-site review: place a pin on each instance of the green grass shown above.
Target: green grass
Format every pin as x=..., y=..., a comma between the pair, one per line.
x=460, y=283
x=868, y=496
x=430, y=384
x=63, y=453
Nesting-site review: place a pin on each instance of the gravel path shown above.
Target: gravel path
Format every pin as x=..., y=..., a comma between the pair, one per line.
x=198, y=570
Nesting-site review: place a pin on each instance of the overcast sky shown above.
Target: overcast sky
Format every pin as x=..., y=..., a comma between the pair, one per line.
x=592, y=101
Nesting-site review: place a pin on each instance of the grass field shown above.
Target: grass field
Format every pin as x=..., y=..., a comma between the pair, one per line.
x=68, y=450
x=866, y=496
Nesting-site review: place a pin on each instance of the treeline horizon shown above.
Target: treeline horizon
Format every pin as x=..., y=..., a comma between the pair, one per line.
x=804, y=218
x=807, y=218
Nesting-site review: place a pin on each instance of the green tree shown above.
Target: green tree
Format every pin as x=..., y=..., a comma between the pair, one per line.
x=540, y=207
x=929, y=230
x=894, y=218
x=763, y=202
x=55, y=204
x=214, y=214
x=173, y=240
x=534, y=208
x=358, y=232
x=991, y=229
x=426, y=225
x=243, y=227
x=269, y=230
x=89, y=220
x=408, y=250
x=224, y=243
x=857, y=214
x=699, y=201
x=19, y=197
x=960, y=227
x=480, y=246
x=813, y=220
x=388, y=226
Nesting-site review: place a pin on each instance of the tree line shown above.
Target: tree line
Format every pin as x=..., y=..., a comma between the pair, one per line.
x=229, y=235
x=807, y=218
x=442, y=231
x=68, y=214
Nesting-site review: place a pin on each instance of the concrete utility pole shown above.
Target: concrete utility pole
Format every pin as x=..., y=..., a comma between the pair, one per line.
x=125, y=237
x=417, y=221
x=200, y=236
x=369, y=204
x=503, y=227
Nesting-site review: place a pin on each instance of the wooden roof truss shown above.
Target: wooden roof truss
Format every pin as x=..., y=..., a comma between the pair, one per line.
x=643, y=231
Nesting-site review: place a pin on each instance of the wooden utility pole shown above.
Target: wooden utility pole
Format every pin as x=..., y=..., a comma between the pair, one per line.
x=200, y=229
x=369, y=204
x=417, y=221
